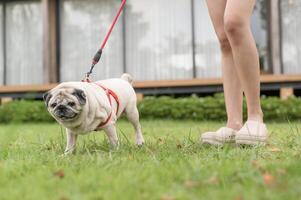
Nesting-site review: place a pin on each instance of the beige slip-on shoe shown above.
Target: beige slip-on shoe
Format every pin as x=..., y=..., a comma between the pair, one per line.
x=220, y=137
x=252, y=133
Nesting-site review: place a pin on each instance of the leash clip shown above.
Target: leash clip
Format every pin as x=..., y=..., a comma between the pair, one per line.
x=87, y=78
x=88, y=74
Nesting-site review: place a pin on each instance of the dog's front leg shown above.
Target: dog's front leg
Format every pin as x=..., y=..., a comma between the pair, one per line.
x=71, y=142
x=112, y=135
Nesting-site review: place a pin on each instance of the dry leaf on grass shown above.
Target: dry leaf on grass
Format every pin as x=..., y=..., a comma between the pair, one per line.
x=179, y=145
x=167, y=197
x=190, y=184
x=282, y=172
x=268, y=179
x=64, y=198
x=239, y=198
x=161, y=142
x=255, y=164
x=214, y=180
x=59, y=174
x=274, y=149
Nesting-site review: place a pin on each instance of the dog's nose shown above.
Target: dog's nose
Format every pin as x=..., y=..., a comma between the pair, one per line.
x=61, y=108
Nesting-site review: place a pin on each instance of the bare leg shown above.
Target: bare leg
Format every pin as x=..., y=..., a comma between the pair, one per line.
x=237, y=27
x=71, y=143
x=112, y=135
x=133, y=116
x=232, y=85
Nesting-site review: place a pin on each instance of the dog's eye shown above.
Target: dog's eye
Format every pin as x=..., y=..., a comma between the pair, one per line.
x=53, y=105
x=71, y=104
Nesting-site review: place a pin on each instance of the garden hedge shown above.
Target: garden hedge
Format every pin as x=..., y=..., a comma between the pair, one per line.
x=213, y=108
x=191, y=108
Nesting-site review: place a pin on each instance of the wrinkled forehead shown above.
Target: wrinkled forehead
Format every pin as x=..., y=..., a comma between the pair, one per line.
x=63, y=94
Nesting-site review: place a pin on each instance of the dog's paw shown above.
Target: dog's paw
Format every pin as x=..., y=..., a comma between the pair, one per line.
x=140, y=143
x=64, y=155
x=114, y=146
x=69, y=152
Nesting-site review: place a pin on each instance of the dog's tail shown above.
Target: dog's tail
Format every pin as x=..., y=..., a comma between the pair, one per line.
x=128, y=78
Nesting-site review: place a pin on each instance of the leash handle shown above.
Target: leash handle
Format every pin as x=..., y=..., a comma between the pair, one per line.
x=97, y=56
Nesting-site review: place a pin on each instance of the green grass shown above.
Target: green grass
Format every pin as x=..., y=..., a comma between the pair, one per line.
x=172, y=164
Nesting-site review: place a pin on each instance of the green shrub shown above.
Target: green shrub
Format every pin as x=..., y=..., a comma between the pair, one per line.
x=192, y=108
x=213, y=108
x=208, y=108
x=24, y=111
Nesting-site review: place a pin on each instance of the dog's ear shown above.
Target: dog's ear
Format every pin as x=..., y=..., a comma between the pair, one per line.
x=47, y=96
x=81, y=96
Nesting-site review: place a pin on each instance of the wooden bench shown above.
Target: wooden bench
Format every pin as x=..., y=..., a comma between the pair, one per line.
x=285, y=83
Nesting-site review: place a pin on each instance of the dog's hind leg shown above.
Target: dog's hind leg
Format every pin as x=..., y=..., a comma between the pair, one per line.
x=132, y=115
x=112, y=135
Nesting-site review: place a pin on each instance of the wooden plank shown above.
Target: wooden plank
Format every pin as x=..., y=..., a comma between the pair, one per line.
x=280, y=78
x=213, y=81
x=50, y=59
x=26, y=88
x=5, y=100
x=177, y=83
x=265, y=79
x=286, y=92
x=140, y=96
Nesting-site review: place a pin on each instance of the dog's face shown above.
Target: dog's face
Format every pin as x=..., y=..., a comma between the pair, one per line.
x=65, y=104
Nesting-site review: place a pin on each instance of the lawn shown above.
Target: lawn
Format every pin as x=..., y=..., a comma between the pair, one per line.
x=172, y=165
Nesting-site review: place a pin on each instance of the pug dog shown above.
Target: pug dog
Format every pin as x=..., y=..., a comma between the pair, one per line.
x=83, y=107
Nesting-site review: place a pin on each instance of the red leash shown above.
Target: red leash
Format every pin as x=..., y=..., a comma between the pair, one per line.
x=99, y=52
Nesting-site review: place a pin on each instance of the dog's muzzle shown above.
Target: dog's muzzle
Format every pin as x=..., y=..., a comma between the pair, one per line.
x=64, y=113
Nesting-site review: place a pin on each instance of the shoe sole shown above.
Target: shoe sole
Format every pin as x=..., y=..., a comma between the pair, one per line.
x=250, y=140
x=217, y=142
x=212, y=142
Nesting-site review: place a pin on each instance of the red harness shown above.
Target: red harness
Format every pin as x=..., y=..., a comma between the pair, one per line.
x=109, y=93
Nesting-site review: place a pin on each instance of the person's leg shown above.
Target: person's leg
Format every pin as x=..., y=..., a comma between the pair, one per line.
x=237, y=27
x=232, y=86
x=246, y=59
